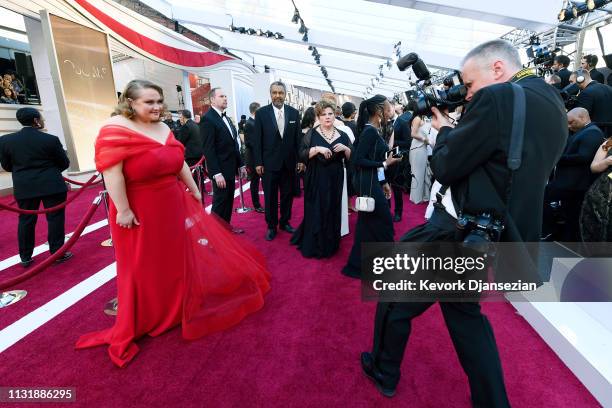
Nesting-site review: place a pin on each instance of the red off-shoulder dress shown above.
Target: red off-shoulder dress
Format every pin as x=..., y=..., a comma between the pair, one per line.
x=180, y=265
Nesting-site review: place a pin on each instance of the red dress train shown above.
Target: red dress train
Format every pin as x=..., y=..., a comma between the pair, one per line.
x=180, y=265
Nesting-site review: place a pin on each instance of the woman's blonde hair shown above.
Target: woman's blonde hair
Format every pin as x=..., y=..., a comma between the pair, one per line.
x=132, y=91
x=322, y=105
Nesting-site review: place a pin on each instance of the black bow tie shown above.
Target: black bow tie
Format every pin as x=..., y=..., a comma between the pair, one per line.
x=224, y=115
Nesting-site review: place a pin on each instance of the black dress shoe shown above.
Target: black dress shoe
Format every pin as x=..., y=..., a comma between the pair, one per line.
x=397, y=218
x=287, y=228
x=367, y=365
x=27, y=262
x=260, y=209
x=270, y=234
x=66, y=256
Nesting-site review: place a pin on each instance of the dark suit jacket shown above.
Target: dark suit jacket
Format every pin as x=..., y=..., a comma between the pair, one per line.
x=574, y=167
x=597, y=99
x=189, y=135
x=220, y=146
x=471, y=158
x=270, y=150
x=597, y=76
x=249, y=135
x=564, y=74
x=402, y=130
x=36, y=160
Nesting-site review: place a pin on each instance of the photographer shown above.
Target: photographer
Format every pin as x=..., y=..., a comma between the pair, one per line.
x=472, y=160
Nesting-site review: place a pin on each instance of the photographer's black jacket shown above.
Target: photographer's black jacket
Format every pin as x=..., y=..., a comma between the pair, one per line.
x=471, y=158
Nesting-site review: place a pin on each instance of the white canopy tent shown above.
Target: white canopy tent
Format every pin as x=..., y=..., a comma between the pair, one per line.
x=356, y=37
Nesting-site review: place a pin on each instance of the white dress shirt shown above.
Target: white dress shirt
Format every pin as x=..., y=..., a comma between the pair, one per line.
x=278, y=112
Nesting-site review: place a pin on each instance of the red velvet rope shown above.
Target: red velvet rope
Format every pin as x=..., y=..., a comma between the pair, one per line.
x=67, y=245
x=78, y=183
x=197, y=164
x=57, y=207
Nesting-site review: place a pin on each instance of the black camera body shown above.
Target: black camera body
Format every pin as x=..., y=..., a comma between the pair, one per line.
x=569, y=94
x=480, y=230
x=426, y=95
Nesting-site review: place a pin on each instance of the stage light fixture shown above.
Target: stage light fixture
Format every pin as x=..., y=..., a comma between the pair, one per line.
x=389, y=64
x=382, y=75
x=251, y=31
x=595, y=4
x=278, y=36
x=310, y=48
x=565, y=14
x=232, y=28
x=241, y=30
x=269, y=34
x=302, y=28
x=305, y=37
x=580, y=9
x=260, y=32
x=296, y=16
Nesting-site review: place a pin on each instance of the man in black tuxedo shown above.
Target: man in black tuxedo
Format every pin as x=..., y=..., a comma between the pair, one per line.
x=222, y=154
x=595, y=98
x=349, y=111
x=36, y=161
x=471, y=158
x=275, y=146
x=402, y=139
x=560, y=64
x=589, y=63
x=249, y=130
x=189, y=135
x=573, y=175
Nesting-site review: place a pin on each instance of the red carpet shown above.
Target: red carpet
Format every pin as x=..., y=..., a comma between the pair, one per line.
x=302, y=349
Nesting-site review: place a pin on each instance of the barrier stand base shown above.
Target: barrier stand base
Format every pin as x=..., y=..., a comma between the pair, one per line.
x=107, y=243
x=110, y=308
x=11, y=297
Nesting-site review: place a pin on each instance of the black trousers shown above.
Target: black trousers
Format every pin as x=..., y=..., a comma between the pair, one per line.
x=571, y=204
x=223, y=198
x=472, y=337
x=255, y=180
x=27, y=224
x=398, y=198
x=274, y=181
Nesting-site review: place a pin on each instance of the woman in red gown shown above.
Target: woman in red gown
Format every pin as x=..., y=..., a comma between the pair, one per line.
x=175, y=263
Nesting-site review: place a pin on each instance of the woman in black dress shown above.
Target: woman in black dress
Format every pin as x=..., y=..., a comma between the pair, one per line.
x=325, y=150
x=370, y=163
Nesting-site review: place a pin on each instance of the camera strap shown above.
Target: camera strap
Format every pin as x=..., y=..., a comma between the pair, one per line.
x=518, y=128
x=517, y=133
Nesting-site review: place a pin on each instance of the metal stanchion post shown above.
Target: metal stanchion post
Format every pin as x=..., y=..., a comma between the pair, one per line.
x=201, y=183
x=242, y=209
x=107, y=242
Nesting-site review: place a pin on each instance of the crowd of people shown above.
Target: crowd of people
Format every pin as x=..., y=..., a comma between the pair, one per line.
x=192, y=268
x=13, y=90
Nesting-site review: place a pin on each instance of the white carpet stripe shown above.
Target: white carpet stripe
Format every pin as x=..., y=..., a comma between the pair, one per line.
x=32, y=321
